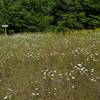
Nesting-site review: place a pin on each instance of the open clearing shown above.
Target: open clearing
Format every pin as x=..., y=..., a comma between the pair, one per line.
x=50, y=67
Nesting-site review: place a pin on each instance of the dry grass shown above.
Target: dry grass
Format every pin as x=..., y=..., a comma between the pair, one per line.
x=50, y=67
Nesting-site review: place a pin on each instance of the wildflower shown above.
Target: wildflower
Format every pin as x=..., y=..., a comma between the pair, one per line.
x=75, y=66
x=6, y=97
x=93, y=80
x=52, y=75
x=33, y=94
x=44, y=73
x=92, y=70
x=96, y=54
x=80, y=65
x=86, y=70
x=71, y=73
x=67, y=79
x=76, y=50
x=60, y=74
x=63, y=54
x=54, y=71
x=55, y=88
x=55, y=93
x=36, y=89
x=73, y=87
x=10, y=89
x=50, y=72
x=73, y=77
x=82, y=68
x=37, y=94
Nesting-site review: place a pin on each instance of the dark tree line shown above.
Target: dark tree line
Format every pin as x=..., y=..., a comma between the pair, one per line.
x=49, y=15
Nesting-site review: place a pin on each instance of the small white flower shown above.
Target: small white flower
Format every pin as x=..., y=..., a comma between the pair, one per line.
x=33, y=94
x=82, y=68
x=5, y=98
x=73, y=87
x=86, y=70
x=75, y=66
x=50, y=72
x=60, y=74
x=55, y=71
x=55, y=93
x=96, y=54
x=10, y=89
x=93, y=80
x=76, y=50
x=44, y=73
x=92, y=70
x=80, y=65
x=63, y=54
x=55, y=88
x=91, y=73
x=73, y=77
x=52, y=75
x=67, y=79
x=36, y=89
x=37, y=94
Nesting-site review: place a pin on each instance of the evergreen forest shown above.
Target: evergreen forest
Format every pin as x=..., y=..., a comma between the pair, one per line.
x=49, y=15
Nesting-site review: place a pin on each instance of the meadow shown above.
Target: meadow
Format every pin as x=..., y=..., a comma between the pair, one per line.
x=50, y=66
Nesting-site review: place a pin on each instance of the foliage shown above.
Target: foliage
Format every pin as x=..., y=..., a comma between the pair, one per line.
x=49, y=15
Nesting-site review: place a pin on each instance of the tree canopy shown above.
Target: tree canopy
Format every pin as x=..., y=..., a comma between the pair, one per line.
x=49, y=15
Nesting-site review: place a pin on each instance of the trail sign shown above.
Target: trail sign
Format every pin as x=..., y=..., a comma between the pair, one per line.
x=5, y=28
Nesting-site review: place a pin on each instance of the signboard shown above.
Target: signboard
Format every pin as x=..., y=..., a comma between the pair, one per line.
x=4, y=26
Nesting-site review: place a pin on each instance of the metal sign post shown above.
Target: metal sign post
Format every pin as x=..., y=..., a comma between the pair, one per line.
x=5, y=28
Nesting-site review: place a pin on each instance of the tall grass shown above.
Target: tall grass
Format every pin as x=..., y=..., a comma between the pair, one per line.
x=50, y=67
